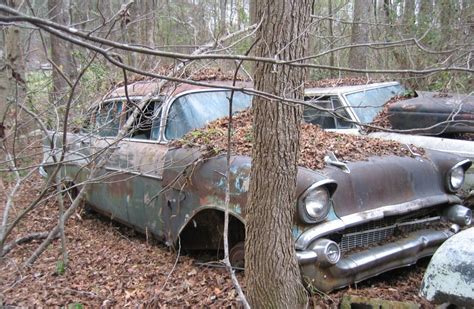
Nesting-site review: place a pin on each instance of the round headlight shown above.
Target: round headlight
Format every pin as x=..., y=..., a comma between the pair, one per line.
x=316, y=203
x=456, y=178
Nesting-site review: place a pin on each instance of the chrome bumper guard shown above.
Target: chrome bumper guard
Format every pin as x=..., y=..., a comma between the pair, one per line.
x=362, y=265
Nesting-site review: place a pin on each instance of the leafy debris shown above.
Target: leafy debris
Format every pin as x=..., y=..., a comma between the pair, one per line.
x=112, y=266
x=314, y=142
x=343, y=81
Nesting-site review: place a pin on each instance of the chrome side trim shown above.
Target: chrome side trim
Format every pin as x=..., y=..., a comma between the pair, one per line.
x=306, y=257
x=111, y=169
x=318, y=184
x=322, y=229
x=42, y=171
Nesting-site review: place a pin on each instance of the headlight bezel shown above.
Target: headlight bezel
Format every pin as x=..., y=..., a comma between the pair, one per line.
x=458, y=170
x=324, y=188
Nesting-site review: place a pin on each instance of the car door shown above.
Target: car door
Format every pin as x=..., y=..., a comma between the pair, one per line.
x=108, y=188
x=140, y=158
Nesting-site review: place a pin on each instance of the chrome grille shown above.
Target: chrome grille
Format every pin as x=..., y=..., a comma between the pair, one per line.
x=378, y=231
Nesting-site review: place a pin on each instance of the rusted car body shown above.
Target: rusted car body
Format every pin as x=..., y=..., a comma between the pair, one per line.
x=360, y=104
x=434, y=114
x=351, y=223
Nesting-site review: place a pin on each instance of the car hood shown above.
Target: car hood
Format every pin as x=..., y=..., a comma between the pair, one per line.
x=391, y=180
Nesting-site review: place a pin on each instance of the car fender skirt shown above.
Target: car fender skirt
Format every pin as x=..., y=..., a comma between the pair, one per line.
x=362, y=265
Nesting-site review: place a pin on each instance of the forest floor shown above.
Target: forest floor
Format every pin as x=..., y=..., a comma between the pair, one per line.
x=112, y=266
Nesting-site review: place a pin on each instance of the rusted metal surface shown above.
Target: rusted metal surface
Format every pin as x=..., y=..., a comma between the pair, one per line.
x=430, y=109
x=390, y=180
x=177, y=194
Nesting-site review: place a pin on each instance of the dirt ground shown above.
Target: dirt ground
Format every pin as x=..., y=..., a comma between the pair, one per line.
x=112, y=266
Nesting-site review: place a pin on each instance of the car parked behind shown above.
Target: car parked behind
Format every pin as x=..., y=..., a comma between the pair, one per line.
x=352, y=107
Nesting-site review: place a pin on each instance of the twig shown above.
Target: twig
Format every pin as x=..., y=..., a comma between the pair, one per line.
x=173, y=268
x=27, y=238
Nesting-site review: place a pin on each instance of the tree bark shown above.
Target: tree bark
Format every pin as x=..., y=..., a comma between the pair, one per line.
x=12, y=71
x=360, y=34
x=332, y=61
x=61, y=52
x=272, y=274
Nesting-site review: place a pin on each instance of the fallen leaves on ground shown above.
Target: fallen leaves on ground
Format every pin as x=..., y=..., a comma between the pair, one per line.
x=112, y=266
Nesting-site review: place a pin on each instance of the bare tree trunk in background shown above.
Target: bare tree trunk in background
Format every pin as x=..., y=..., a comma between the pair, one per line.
x=425, y=16
x=332, y=62
x=150, y=23
x=409, y=17
x=4, y=81
x=382, y=31
x=467, y=19
x=253, y=11
x=61, y=52
x=408, y=23
x=360, y=33
x=272, y=273
x=222, y=19
x=12, y=71
x=148, y=27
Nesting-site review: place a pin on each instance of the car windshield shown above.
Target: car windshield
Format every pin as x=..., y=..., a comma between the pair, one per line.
x=368, y=103
x=196, y=110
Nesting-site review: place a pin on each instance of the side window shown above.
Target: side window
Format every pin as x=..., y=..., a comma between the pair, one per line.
x=314, y=116
x=107, y=118
x=181, y=118
x=145, y=126
x=341, y=111
x=324, y=119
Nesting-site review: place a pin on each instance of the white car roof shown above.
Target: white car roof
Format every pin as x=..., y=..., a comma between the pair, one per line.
x=345, y=89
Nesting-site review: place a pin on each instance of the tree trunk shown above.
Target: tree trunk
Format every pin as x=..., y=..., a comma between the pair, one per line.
x=272, y=274
x=222, y=20
x=61, y=52
x=409, y=17
x=12, y=71
x=360, y=34
x=332, y=61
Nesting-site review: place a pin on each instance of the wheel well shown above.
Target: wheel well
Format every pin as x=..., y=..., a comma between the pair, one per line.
x=205, y=231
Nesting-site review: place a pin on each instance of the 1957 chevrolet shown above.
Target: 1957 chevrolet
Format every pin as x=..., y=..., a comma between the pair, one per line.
x=353, y=220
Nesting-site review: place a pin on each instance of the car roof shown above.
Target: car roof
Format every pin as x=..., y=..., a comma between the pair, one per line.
x=345, y=89
x=145, y=88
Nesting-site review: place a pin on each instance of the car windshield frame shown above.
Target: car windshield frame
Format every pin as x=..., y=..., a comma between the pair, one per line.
x=365, y=118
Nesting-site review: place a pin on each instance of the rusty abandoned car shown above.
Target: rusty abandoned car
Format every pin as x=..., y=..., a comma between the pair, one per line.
x=353, y=220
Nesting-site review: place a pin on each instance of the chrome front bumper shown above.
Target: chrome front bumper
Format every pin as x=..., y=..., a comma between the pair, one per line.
x=362, y=265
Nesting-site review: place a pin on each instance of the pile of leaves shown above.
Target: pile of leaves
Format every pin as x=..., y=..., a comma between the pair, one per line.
x=343, y=81
x=111, y=266
x=315, y=143
x=382, y=119
x=190, y=72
